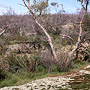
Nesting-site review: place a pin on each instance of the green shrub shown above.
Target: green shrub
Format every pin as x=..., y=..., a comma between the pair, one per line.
x=8, y=81
x=40, y=68
x=3, y=74
x=53, y=68
x=13, y=62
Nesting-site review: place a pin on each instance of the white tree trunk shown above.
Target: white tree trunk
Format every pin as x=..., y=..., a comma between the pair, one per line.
x=78, y=42
x=49, y=39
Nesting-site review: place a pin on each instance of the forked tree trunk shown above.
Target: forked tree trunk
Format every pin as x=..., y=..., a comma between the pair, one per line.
x=79, y=40
x=80, y=32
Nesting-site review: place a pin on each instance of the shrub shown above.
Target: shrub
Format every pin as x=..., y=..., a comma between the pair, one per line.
x=3, y=74
x=19, y=62
x=46, y=59
x=9, y=81
x=62, y=65
x=2, y=48
x=40, y=68
x=4, y=67
x=13, y=62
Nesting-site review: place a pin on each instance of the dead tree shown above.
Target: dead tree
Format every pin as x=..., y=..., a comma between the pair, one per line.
x=80, y=35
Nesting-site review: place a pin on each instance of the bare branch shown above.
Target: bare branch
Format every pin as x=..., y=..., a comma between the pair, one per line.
x=63, y=35
x=79, y=39
x=86, y=2
x=29, y=9
x=83, y=4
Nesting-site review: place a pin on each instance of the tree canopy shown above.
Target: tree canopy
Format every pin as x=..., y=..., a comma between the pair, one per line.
x=39, y=6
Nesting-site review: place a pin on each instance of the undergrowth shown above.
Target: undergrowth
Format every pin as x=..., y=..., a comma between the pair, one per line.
x=23, y=76
x=16, y=69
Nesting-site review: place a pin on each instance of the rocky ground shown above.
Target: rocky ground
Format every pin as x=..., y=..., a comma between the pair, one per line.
x=50, y=83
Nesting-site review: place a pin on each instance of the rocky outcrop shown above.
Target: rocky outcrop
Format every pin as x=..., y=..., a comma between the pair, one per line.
x=51, y=83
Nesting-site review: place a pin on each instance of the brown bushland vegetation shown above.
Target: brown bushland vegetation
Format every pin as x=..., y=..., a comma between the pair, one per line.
x=43, y=42
x=17, y=24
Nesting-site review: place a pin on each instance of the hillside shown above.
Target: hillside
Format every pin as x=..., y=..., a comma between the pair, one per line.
x=26, y=53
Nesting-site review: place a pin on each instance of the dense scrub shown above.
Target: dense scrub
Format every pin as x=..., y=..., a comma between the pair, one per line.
x=23, y=61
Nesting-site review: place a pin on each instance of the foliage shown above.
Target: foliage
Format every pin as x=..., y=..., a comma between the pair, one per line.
x=3, y=74
x=40, y=6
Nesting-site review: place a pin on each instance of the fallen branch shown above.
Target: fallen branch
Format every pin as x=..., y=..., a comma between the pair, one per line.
x=2, y=32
